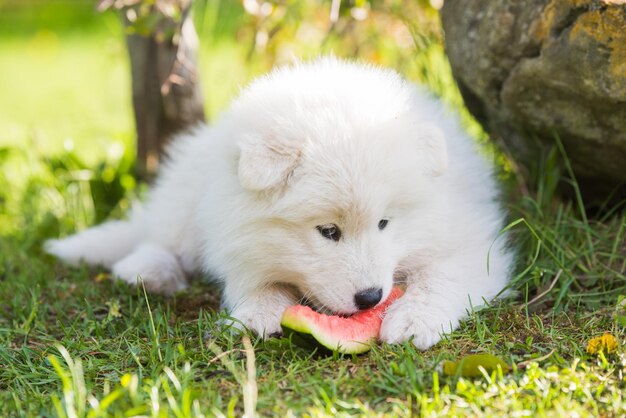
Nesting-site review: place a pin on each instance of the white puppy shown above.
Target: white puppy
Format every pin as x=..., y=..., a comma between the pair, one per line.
x=327, y=180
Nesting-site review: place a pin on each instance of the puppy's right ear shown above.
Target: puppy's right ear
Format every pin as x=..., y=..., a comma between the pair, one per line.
x=427, y=139
x=434, y=149
x=265, y=162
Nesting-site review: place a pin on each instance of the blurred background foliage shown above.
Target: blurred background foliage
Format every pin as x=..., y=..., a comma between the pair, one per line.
x=66, y=127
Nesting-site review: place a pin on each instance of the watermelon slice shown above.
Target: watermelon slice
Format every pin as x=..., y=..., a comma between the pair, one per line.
x=350, y=335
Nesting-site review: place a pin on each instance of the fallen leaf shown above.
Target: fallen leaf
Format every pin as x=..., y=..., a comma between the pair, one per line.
x=469, y=366
x=101, y=277
x=114, y=309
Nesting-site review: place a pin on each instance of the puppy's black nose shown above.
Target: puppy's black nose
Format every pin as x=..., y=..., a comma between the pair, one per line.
x=368, y=298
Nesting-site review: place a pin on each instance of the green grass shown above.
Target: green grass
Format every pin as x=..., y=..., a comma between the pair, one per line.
x=74, y=343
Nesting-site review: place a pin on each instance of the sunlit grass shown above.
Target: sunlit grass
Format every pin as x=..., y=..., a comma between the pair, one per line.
x=75, y=92
x=61, y=91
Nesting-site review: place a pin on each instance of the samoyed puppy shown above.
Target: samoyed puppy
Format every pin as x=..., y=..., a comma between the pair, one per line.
x=329, y=181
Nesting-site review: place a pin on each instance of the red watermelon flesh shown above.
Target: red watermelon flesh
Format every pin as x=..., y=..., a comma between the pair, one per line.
x=351, y=335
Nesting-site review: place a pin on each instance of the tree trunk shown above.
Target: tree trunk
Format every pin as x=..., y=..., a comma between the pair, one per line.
x=166, y=93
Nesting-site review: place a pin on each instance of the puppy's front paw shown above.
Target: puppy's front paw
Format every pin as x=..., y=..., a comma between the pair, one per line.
x=262, y=321
x=408, y=319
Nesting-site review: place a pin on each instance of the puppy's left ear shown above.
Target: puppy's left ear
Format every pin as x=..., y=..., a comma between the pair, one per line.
x=265, y=162
x=433, y=146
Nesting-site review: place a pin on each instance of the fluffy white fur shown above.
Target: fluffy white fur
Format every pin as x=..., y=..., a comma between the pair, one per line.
x=327, y=142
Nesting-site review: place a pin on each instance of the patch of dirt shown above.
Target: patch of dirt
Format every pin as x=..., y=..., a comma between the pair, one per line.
x=187, y=305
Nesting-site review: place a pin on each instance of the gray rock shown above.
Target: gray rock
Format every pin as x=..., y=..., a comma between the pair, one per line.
x=533, y=70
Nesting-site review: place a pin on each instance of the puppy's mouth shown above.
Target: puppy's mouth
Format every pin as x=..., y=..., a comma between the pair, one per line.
x=310, y=299
x=323, y=309
x=307, y=299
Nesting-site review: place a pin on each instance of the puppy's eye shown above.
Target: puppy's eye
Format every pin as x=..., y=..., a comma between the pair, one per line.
x=382, y=224
x=330, y=231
